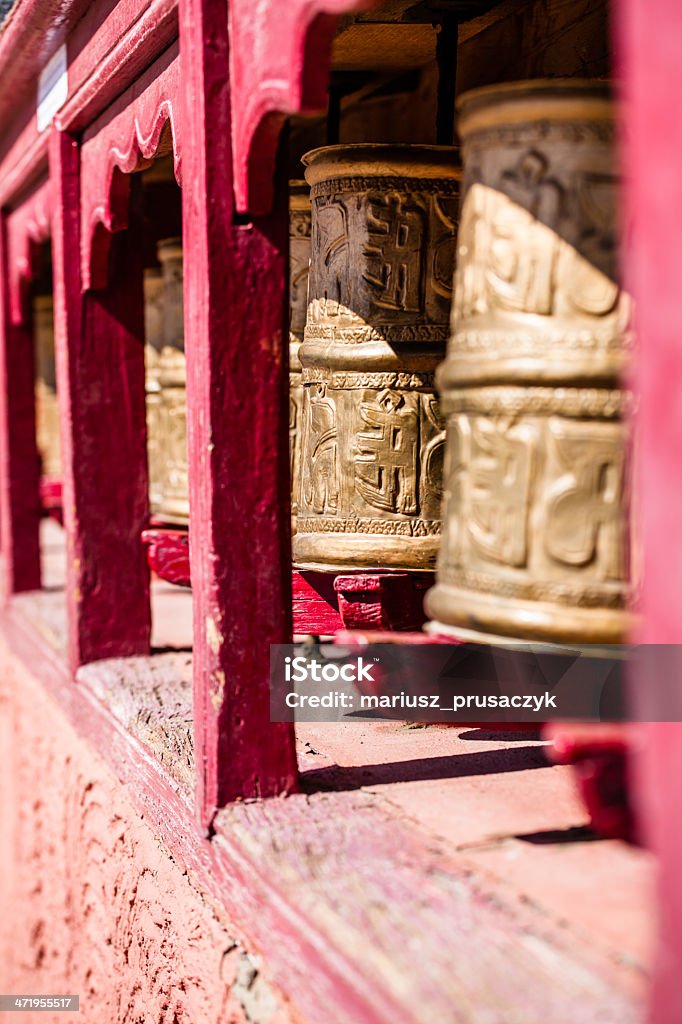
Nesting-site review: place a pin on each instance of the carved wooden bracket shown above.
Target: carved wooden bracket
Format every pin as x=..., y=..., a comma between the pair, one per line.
x=27, y=226
x=141, y=125
x=279, y=65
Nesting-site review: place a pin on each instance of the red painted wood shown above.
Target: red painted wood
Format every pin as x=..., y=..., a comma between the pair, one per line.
x=111, y=46
x=106, y=55
x=126, y=138
x=19, y=457
x=50, y=491
x=279, y=65
x=601, y=755
x=99, y=351
x=315, y=603
x=392, y=601
x=651, y=75
x=275, y=867
x=168, y=554
x=20, y=58
x=27, y=225
x=236, y=339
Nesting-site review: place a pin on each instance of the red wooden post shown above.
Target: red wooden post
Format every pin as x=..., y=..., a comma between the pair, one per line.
x=237, y=406
x=19, y=459
x=99, y=344
x=651, y=73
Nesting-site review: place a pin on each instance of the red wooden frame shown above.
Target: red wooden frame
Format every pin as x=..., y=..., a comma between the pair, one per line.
x=235, y=99
x=279, y=65
x=100, y=380
x=126, y=138
x=21, y=230
x=650, y=72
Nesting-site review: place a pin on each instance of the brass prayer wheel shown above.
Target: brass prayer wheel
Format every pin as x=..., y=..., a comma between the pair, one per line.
x=299, y=261
x=166, y=412
x=153, y=326
x=372, y=440
x=47, y=406
x=536, y=514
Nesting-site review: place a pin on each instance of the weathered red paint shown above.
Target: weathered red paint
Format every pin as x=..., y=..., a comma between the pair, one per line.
x=126, y=138
x=651, y=73
x=22, y=229
x=279, y=65
x=50, y=490
x=19, y=458
x=27, y=225
x=393, y=601
x=107, y=54
x=237, y=423
x=168, y=554
x=99, y=351
x=601, y=755
x=317, y=885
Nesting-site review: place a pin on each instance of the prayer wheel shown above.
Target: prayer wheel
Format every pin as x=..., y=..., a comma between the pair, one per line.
x=536, y=539
x=299, y=261
x=372, y=438
x=153, y=325
x=174, y=504
x=47, y=407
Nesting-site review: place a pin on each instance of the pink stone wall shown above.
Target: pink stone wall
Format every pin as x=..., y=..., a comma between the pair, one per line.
x=92, y=904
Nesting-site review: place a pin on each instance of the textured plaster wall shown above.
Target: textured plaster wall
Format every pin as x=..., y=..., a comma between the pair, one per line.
x=91, y=903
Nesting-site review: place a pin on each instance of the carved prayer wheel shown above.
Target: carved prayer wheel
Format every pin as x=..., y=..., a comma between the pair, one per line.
x=174, y=503
x=165, y=386
x=47, y=406
x=153, y=324
x=299, y=261
x=536, y=514
x=372, y=439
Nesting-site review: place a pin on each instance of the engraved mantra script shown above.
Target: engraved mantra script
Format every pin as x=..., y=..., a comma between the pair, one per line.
x=382, y=257
x=511, y=261
x=573, y=508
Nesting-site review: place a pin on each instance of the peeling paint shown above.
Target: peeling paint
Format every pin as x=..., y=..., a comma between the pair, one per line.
x=213, y=635
x=218, y=690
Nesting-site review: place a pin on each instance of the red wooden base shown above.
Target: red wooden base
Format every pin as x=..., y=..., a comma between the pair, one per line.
x=322, y=602
x=598, y=753
x=325, y=602
x=168, y=554
x=51, y=497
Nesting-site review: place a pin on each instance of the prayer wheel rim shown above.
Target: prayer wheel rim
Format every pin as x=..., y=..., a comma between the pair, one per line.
x=544, y=99
x=381, y=160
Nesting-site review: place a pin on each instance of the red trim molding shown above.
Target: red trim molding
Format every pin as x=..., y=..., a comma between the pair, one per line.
x=125, y=139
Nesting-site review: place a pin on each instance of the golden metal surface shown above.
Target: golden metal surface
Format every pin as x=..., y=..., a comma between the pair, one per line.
x=47, y=406
x=536, y=515
x=299, y=264
x=372, y=439
x=153, y=314
x=165, y=386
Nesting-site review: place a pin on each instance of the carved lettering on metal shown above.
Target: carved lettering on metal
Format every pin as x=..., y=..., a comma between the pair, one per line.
x=536, y=542
x=386, y=464
x=382, y=259
x=320, y=484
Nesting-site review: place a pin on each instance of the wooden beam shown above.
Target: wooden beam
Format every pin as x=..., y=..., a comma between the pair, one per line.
x=99, y=349
x=19, y=458
x=236, y=342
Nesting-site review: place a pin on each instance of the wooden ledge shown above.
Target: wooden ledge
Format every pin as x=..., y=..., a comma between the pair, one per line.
x=378, y=895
